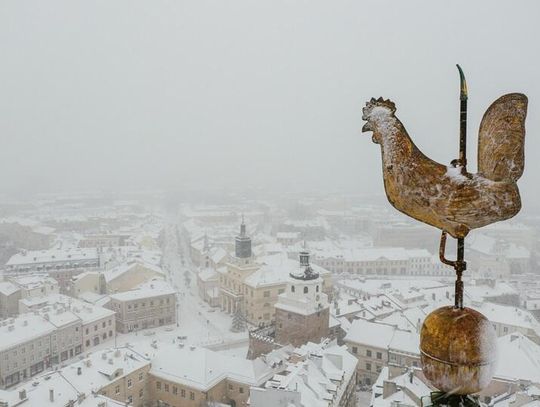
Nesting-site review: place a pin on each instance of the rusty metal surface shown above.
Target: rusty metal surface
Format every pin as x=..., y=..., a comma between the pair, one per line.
x=457, y=349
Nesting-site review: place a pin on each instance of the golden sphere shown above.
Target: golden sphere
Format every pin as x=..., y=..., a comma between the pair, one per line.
x=458, y=350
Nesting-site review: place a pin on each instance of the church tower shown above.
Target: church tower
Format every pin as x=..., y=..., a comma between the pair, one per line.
x=242, y=245
x=302, y=311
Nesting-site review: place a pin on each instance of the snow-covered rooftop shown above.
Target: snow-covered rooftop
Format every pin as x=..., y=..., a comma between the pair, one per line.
x=152, y=288
x=52, y=255
x=202, y=368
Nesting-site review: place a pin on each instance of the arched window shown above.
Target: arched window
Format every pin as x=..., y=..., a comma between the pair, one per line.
x=305, y=290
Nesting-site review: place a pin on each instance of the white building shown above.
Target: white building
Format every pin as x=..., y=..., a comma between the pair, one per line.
x=316, y=375
x=151, y=305
x=110, y=378
x=97, y=323
x=52, y=259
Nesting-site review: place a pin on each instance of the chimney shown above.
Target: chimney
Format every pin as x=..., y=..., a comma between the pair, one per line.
x=389, y=388
x=51, y=395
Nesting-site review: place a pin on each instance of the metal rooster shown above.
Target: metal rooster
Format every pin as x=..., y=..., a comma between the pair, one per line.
x=449, y=197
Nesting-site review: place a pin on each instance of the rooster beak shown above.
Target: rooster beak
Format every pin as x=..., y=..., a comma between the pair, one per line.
x=366, y=127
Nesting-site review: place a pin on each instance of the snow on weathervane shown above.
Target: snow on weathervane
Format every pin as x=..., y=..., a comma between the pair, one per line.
x=457, y=344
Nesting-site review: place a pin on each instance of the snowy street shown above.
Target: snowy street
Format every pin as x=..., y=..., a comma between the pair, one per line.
x=198, y=323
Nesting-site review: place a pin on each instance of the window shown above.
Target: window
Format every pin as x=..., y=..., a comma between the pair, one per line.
x=241, y=390
x=140, y=377
x=368, y=353
x=191, y=395
x=266, y=294
x=317, y=288
x=141, y=393
x=379, y=355
x=117, y=389
x=130, y=399
x=167, y=387
x=103, y=324
x=158, y=385
x=305, y=290
x=354, y=350
x=368, y=366
x=129, y=383
x=292, y=288
x=230, y=386
x=174, y=390
x=182, y=392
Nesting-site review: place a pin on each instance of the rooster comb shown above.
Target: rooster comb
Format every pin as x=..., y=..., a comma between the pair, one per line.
x=381, y=102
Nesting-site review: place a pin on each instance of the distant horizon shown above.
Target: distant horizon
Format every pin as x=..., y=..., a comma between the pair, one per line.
x=248, y=94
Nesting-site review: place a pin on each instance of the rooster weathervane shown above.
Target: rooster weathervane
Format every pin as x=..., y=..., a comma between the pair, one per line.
x=455, y=341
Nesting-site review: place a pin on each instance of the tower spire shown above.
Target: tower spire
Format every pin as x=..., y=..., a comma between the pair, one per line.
x=243, y=227
x=243, y=242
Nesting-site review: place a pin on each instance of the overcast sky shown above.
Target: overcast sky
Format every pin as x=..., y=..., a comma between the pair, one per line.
x=130, y=94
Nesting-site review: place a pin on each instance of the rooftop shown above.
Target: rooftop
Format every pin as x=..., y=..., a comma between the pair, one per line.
x=202, y=368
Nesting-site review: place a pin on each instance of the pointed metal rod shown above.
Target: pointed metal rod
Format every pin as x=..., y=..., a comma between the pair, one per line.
x=463, y=95
x=459, y=265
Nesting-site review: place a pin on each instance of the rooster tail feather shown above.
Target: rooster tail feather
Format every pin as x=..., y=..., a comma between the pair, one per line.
x=502, y=137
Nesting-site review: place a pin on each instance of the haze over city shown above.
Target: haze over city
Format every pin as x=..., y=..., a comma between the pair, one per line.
x=193, y=212
x=121, y=96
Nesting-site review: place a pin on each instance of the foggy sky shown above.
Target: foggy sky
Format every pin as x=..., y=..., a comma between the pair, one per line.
x=130, y=94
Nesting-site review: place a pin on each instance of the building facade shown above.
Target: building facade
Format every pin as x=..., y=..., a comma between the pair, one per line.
x=149, y=306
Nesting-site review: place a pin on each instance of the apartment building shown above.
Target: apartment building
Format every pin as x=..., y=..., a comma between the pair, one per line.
x=151, y=305
x=203, y=376
x=376, y=261
x=98, y=324
x=112, y=377
x=377, y=345
x=22, y=287
x=10, y=294
x=331, y=370
x=103, y=240
x=123, y=277
x=52, y=259
x=33, y=342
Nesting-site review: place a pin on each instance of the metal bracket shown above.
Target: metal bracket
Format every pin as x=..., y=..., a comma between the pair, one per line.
x=459, y=265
